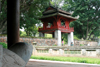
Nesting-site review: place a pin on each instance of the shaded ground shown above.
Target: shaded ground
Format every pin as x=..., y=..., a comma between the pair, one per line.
x=45, y=63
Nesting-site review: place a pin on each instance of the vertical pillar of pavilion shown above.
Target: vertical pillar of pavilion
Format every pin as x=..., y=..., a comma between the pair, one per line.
x=70, y=39
x=13, y=13
x=58, y=36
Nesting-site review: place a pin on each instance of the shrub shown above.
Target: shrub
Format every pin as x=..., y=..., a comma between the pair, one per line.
x=55, y=45
x=81, y=44
x=3, y=44
x=76, y=38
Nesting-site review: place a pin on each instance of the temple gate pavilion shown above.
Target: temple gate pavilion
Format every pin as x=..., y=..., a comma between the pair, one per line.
x=56, y=22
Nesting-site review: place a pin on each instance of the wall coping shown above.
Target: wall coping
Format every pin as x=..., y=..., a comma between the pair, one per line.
x=68, y=47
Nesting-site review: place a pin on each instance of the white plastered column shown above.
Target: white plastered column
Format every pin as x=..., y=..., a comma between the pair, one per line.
x=58, y=36
x=70, y=39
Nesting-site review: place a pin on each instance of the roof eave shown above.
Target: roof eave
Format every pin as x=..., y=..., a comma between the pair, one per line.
x=67, y=16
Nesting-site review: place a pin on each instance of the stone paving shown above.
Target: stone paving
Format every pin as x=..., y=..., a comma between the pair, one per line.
x=46, y=63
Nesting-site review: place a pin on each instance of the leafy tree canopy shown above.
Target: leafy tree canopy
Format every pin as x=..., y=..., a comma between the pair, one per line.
x=87, y=26
x=3, y=16
x=30, y=12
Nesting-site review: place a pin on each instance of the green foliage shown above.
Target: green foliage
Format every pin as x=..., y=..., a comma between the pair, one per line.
x=3, y=44
x=55, y=45
x=69, y=59
x=36, y=37
x=31, y=30
x=88, y=25
x=81, y=44
x=76, y=38
x=22, y=33
x=3, y=16
x=3, y=34
x=31, y=11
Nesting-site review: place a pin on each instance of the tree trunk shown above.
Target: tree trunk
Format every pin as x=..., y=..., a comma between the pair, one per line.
x=27, y=33
x=92, y=33
x=87, y=32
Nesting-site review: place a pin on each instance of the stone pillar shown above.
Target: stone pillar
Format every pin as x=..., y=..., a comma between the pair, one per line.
x=58, y=36
x=61, y=52
x=83, y=52
x=34, y=49
x=41, y=34
x=1, y=55
x=50, y=51
x=98, y=52
x=70, y=39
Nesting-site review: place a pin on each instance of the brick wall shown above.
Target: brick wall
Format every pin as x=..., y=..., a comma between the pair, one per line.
x=39, y=41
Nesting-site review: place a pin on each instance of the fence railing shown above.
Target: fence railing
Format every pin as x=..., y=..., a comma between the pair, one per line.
x=72, y=50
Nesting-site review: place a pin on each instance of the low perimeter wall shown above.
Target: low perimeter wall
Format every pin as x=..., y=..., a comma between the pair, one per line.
x=38, y=41
x=50, y=42
x=88, y=51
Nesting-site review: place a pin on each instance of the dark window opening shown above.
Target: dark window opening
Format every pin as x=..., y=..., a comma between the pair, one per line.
x=50, y=24
x=62, y=22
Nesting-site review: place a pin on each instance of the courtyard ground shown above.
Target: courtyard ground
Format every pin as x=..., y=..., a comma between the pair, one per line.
x=46, y=63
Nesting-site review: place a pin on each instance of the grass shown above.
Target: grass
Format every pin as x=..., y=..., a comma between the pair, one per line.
x=68, y=59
